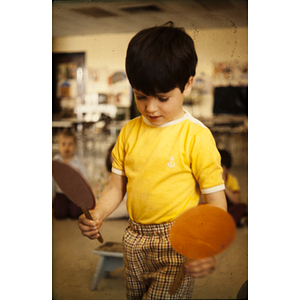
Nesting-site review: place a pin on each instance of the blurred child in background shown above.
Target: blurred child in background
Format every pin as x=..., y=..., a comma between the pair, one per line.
x=236, y=208
x=62, y=206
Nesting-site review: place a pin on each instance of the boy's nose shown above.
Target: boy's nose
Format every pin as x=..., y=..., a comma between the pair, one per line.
x=151, y=105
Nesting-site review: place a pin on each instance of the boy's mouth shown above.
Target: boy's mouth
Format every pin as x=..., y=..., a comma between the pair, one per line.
x=153, y=118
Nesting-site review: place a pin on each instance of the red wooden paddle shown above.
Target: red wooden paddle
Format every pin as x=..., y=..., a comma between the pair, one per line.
x=202, y=231
x=75, y=187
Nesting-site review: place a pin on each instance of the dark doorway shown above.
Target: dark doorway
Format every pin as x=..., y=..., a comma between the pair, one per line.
x=67, y=81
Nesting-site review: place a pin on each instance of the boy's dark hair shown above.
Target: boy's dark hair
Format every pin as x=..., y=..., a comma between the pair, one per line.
x=225, y=158
x=160, y=59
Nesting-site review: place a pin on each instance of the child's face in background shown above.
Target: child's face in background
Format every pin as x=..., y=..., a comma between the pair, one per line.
x=66, y=147
x=163, y=108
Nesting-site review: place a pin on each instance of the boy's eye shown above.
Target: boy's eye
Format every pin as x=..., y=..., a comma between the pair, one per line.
x=160, y=98
x=140, y=97
x=163, y=99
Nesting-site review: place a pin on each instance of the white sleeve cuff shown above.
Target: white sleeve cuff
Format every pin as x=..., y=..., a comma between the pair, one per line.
x=214, y=189
x=118, y=172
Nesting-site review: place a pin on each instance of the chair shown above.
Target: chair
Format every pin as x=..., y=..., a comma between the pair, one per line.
x=111, y=258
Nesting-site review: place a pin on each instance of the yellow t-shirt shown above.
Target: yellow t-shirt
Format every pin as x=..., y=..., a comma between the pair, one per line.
x=165, y=166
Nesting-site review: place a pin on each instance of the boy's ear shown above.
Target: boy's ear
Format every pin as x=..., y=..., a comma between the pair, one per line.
x=188, y=87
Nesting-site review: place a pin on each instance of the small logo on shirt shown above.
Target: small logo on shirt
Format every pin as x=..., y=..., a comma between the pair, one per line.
x=171, y=163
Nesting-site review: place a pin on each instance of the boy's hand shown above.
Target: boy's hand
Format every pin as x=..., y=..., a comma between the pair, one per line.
x=89, y=228
x=199, y=268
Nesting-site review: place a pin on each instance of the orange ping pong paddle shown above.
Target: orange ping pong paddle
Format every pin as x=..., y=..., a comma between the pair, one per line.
x=200, y=232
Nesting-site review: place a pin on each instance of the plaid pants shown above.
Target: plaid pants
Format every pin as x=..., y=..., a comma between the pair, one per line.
x=151, y=264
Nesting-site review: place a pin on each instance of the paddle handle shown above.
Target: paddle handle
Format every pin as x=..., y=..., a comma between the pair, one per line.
x=177, y=281
x=88, y=215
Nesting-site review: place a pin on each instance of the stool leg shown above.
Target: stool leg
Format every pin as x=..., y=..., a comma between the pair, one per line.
x=98, y=273
x=112, y=263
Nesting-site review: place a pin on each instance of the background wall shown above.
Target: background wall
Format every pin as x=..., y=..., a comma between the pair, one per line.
x=105, y=54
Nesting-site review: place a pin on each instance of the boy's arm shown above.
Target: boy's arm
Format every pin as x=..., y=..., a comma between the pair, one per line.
x=108, y=201
x=111, y=196
x=217, y=199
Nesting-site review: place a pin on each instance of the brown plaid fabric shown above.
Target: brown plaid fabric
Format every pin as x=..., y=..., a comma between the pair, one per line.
x=151, y=264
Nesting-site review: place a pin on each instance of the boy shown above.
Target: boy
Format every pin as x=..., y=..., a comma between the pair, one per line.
x=63, y=207
x=163, y=159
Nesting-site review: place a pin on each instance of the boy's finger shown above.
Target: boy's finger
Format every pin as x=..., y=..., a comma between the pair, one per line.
x=87, y=227
x=199, y=265
x=88, y=231
x=84, y=220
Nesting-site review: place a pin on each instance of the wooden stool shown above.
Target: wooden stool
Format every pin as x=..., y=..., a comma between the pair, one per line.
x=111, y=258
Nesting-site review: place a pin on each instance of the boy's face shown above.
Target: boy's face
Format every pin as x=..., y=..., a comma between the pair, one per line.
x=163, y=108
x=66, y=147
